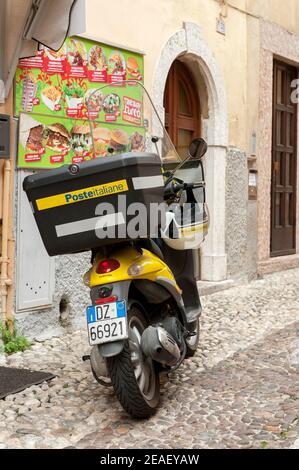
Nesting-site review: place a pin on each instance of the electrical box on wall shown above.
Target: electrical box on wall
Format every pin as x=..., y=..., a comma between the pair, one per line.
x=35, y=270
x=4, y=136
x=252, y=184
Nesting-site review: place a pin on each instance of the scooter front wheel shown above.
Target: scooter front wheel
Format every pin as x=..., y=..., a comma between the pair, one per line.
x=134, y=376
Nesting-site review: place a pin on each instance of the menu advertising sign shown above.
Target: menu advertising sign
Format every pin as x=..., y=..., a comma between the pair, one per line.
x=53, y=88
x=48, y=143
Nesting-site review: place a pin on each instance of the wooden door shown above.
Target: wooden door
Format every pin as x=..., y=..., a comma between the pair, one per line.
x=284, y=162
x=182, y=107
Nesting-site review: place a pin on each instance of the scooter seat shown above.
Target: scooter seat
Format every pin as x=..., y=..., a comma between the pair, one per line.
x=151, y=245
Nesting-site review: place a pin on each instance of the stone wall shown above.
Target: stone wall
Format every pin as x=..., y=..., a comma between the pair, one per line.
x=236, y=213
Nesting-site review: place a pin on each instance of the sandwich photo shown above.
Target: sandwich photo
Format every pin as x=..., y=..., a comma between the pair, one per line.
x=102, y=138
x=35, y=138
x=97, y=58
x=137, y=142
x=81, y=140
x=133, y=68
x=119, y=140
x=58, y=137
x=77, y=54
x=32, y=133
x=116, y=63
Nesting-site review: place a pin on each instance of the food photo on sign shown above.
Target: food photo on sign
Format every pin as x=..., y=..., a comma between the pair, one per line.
x=59, y=81
x=44, y=143
x=56, y=93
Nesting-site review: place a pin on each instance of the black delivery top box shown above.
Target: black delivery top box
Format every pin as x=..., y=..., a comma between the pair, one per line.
x=65, y=201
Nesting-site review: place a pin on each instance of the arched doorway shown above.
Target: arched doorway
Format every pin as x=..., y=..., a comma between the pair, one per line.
x=188, y=46
x=182, y=107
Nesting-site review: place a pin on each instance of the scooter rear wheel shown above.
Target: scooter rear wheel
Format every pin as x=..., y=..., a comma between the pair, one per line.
x=134, y=376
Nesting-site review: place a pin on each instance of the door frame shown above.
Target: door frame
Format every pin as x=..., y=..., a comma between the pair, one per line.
x=190, y=43
x=292, y=251
x=275, y=42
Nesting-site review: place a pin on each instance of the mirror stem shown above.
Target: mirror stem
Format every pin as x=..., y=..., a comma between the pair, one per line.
x=180, y=165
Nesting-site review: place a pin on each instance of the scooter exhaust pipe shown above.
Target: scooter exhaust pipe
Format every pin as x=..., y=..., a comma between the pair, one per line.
x=158, y=344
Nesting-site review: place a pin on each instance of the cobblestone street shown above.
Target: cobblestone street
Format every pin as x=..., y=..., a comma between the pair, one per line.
x=240, y=390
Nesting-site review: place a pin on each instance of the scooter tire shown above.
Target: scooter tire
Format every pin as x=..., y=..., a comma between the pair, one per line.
x=121, y=371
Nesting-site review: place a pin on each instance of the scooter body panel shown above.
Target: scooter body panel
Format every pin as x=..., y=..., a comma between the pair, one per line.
x=148, y=265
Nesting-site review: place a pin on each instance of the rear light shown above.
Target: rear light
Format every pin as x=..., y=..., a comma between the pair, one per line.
x=106, y=300
x=107, y=266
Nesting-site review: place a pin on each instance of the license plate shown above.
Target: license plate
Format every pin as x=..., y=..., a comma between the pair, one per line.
x=107, y=322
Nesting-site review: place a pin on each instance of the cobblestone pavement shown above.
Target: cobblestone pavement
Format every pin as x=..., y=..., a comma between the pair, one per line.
x=240, y=390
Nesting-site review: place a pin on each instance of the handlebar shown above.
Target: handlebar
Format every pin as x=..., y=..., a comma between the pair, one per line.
x=175, y=186
x=184, y=186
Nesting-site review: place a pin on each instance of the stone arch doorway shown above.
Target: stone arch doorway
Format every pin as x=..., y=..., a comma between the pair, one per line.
x=188, y=46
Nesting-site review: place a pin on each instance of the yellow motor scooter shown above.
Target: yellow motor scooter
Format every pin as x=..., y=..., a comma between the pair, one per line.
x=144, y=317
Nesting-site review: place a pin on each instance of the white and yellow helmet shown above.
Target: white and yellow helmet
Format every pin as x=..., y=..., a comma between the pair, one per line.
x=186, y=226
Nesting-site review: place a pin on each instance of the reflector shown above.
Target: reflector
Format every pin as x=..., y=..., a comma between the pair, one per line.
x=106, y=300
x=107, y=265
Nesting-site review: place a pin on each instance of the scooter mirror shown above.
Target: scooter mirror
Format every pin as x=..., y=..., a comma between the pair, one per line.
x=197, y=148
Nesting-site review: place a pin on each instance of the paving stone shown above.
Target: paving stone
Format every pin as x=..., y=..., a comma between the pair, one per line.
x=239, y=389
x=296, y=444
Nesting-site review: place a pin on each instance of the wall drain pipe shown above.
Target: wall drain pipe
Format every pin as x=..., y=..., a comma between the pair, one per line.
x=5, y=281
